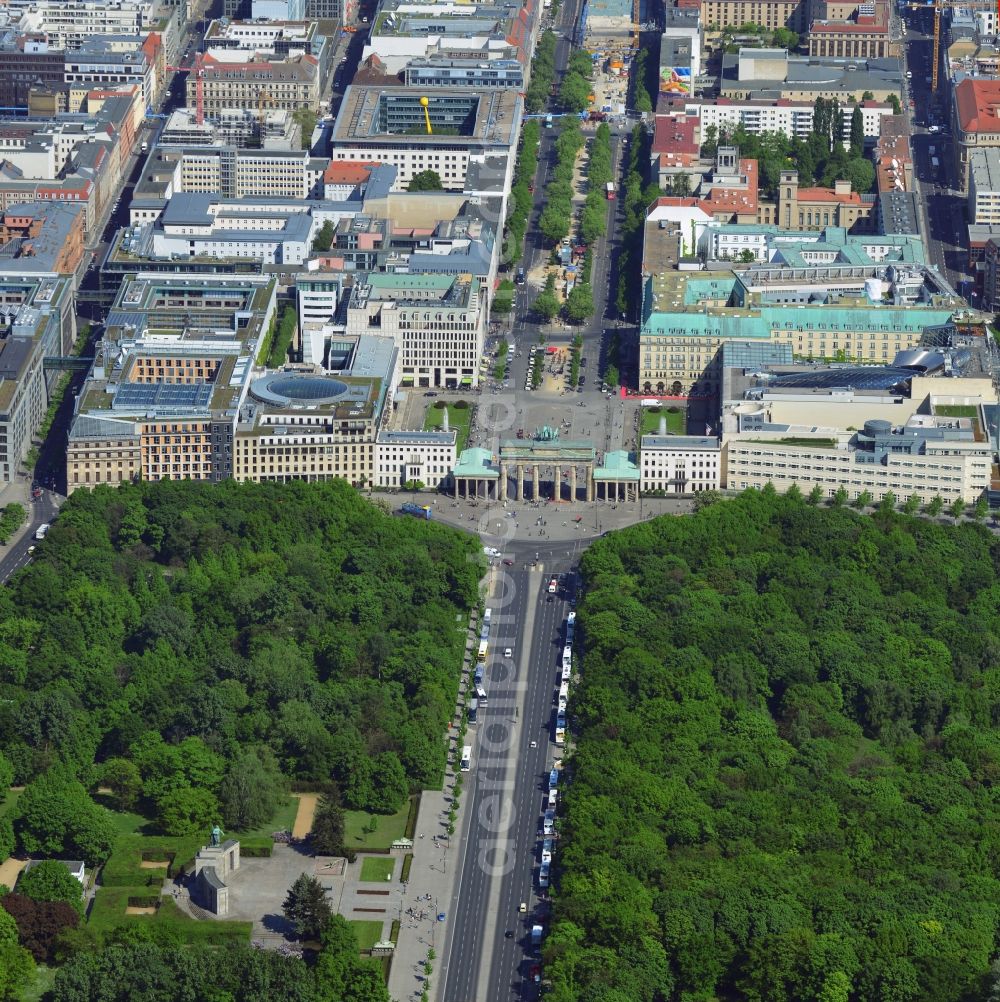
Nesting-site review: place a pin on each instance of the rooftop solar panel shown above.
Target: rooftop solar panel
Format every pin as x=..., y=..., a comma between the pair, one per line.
x=163, y=396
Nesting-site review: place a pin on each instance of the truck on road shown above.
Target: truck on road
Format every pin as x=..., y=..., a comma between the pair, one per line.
x=609, y=190
x=42, y=530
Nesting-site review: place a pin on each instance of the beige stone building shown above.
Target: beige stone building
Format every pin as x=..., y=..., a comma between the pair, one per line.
x=975, y=121
x=290, y=83
x=928, y=457
x=771, y=14
x=817, y=208
x=163, y=397
x=818, y=312
x=305, y=424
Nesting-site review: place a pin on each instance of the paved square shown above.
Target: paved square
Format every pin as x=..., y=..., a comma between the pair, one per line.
x=258, y=888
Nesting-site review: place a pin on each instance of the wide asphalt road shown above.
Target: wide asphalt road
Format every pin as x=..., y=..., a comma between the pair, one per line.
x=15, y=555
x=499, y=857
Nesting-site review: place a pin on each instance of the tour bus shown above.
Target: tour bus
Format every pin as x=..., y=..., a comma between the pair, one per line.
x=473, y=710
x=486, y=616
x=466, y=758
x=563, y=696
x=481, y=656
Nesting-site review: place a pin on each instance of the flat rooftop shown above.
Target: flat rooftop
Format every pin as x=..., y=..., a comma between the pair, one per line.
x=382, y=115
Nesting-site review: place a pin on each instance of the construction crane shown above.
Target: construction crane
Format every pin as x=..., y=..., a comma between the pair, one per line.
x=635, y=25
x=937, y=6
x=199, y=87
x=424, y=102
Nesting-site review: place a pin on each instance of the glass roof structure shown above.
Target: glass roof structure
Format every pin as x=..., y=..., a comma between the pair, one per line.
x=856, y=377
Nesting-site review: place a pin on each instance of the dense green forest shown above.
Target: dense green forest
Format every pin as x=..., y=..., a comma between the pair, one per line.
x=785, y=779
x=134, y=968
x=191, y=645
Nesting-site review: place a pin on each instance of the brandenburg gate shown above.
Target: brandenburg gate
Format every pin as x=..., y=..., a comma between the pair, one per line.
x=553, y=461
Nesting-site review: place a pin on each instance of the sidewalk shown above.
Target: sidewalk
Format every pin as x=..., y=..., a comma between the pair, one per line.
x=434, y=872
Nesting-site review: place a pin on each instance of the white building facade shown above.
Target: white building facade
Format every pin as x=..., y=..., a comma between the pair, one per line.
x=949, y=468
x=402, y=457
x=679, y=464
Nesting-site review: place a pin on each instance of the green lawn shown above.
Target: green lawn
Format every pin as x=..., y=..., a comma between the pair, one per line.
x=956, y=410
x=125, y=822
x=389, y=828
x=458, y=421
x=125, y=877
x=110, y=903
x=283, y=820
x=44, y=977
x=676, y=421
x=368, y=932
x=378, y=869
x=9, y=802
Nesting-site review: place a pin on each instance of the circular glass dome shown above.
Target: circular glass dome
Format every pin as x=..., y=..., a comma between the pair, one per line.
x=307, y=387
x=288, y=390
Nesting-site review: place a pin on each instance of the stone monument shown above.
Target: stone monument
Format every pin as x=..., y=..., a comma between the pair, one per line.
x=212, y=866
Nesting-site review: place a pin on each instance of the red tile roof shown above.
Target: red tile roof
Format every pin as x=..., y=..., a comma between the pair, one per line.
x=675, y=134
x=733, y=201
x=347, y=172
x=978, y=102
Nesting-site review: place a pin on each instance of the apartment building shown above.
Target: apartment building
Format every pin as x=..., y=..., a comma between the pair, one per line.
x=42, y=238
x=162, y=399
x=225, y=170
x=404, y=30
x=291, y=83
x=26, y=62
x=679, y=464
x=494, y=74
x=771, y=14
x=199, y=225
x=105, y=64
x=438, y=323
x=975, y=114
x=37, y=319
x=984, y=187
x=75, y=158
x=791, y=118
x=67, y=24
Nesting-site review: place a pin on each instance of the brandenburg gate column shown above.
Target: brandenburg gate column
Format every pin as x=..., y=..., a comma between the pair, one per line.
x=502, y=485
x=572, y=483
x=520, y=482
x=534, y=482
